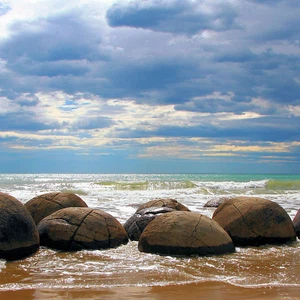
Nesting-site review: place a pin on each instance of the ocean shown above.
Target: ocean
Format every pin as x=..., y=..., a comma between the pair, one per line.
x=124, y=267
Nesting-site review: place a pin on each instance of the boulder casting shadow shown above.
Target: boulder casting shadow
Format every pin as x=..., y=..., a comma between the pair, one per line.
x=78, y=228
x=185, y=233
x=146, y=212
x=19, y=237
x=136, y=224
x=252, y=221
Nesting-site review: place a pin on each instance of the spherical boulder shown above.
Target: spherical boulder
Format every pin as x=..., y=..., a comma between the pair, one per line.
x=136, y=224
x=252, y=221
x=296, y=222
x=185, y=233
x=171, y=203
x=19, y=237
x=78, y=228
x=44, y=205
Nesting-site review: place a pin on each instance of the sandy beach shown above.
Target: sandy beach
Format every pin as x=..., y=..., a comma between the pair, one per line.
x=213, y=290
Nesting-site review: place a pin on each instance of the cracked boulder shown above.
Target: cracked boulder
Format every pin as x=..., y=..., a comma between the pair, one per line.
x=171, y=203
x=252, y=221
x=19, y=237
x=136, y=224
x=44, y=205
x=78, y=228
x=185, y=233
x=296, y=222
x=146, y=212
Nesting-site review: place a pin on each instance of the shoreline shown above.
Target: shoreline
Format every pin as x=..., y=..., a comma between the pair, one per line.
x=204, y=290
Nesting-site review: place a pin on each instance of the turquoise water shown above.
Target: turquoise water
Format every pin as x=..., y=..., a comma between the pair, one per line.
x=118, y=193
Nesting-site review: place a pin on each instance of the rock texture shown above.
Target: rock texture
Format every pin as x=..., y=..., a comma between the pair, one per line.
x=185, y=233
x=19, y=237
x=77, y=228
x=254, y=221
x=216, y=202
x=44, y=205
x=136, y=224
x=296, y=222
x=146, y=212
x=171, y=203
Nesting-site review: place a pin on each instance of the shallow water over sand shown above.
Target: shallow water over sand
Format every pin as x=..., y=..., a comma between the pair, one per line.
x=251, y=268
x=125, y=266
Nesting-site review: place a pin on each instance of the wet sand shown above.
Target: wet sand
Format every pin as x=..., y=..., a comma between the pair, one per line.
x=212, y=290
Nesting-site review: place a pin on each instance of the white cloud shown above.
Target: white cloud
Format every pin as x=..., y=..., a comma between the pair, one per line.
x=184, y=86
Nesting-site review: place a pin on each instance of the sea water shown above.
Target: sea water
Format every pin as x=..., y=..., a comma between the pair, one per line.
x=120, y=195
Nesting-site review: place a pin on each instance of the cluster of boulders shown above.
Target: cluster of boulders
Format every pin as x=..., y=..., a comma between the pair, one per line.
x=63, y=221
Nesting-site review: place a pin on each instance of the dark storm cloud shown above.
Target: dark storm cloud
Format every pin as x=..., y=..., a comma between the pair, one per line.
x=266, y=74
x=57, y=45
x=65, y=52
x=157, y=75
x=23, y=121
x=50, y=69
x=178, y=16
x=21, y=99
x=27, y=100
x=269, y=2
x=215, y=105
x=287, y=29
x=260, y=130
x=58, y=37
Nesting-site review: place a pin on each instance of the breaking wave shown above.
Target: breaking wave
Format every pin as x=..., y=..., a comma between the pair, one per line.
x=148, y=185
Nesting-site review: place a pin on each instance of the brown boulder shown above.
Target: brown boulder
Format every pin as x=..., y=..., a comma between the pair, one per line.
x=296, y=222
x=254, y=221
x=77, y=228
x=44, y=205
x=136, y=224
x=19, y=237
x=185, y=233
x=171, y=203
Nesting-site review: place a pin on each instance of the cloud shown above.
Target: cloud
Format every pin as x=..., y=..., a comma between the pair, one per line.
x=177, y=17
x=204, y=79
x=55, y=38
x=92, y=123
x=268, y=2
x=56, y=45
x=4, y=8
x=66, y=51
x=199, y=149
x=22, y=121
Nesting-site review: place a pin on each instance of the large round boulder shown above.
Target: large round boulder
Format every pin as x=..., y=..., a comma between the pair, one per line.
x=77, y=228
x=171, y=203
x=44, y=205
x=146, y=212
x=185, y=233
x=136, y=224
x=296, y=222
x=252, y=221
x=19, y=237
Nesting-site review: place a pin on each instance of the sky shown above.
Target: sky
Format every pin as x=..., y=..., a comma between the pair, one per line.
x=150, y=86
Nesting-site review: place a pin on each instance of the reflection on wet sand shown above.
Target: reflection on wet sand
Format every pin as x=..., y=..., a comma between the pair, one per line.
x=208, y=290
